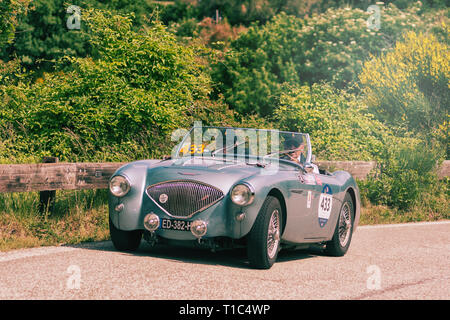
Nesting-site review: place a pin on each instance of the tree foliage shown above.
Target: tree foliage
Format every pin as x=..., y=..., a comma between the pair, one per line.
x=127, y=100
x=259, y=62
x=331, y=46
x=42, y=36
x=260, y=11
x=409, y=86
x=406, y=176
x=9, y=11
x=120, y=106
x=339, y=125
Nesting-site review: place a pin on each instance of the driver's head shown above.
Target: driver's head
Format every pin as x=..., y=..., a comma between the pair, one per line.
x=295, y=145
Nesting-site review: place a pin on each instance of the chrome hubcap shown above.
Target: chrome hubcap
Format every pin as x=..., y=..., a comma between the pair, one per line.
x=345, y=225
x=273, y=234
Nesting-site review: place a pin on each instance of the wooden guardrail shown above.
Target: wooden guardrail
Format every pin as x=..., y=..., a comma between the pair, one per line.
x=55, y=176
x=358, y=169
x=48, y=177
x=78, y=176
x=52, y=175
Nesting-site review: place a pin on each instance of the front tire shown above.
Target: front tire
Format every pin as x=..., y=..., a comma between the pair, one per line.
x=342, y=237
x=264, y=238
x=125, y=240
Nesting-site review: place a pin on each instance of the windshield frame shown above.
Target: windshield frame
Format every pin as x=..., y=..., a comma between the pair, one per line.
x=268, y=156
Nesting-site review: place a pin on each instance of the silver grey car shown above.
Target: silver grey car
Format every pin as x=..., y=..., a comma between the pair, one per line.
x=231, y=187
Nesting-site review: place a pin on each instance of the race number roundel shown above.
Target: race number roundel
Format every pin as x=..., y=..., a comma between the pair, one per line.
x=325, y=205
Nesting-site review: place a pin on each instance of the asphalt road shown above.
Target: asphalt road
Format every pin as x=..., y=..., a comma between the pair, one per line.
x=407, y=261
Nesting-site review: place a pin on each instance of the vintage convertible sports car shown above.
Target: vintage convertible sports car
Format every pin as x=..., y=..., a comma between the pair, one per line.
x=230, y=187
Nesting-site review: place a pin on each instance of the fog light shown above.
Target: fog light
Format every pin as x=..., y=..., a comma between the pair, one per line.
x=151, y=222
x=198, y=228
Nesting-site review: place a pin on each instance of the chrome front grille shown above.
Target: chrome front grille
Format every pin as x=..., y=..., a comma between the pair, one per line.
x=184, y=198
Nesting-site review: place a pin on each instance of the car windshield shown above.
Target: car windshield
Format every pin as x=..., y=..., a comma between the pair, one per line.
x=241, y=143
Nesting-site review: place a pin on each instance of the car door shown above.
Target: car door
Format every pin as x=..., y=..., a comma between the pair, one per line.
x=301, y=216
x=325, y=207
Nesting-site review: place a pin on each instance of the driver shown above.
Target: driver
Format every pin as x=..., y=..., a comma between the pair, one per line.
x=296, y=150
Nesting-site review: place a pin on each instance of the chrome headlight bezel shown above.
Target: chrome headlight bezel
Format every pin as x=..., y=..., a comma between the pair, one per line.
x=242, y=194
x=119, y=186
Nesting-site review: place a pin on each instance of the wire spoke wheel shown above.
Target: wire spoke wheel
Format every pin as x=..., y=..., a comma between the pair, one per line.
x=345, y=225
x=342, y=236
x=264, y=239
x=273, y=234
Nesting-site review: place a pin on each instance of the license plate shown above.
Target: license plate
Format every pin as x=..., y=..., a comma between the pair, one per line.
x=170, y=224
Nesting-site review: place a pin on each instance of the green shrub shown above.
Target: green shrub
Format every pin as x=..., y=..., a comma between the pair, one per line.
x=410, y=84
x=339, y=125
x=408, y=87
x=259, y=62
x=177, y=11
x=120, y=107
x=331, y=46
x=405, y=177
x=10, y=10
x=123, y=105
x=42, y=36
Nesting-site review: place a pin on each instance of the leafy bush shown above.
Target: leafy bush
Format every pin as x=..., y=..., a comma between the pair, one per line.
x=208, y=32
x=9, y=11
x=240, y=12
x=42, y=35
x=177, y=11
x=409, y=86
x=405, y=175
x=246, y=12
x=122, y=105
x=339, y=126
x=331, y=46
x=259, y=62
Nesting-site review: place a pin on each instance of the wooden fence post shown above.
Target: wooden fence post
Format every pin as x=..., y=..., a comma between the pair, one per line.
x=47, y=198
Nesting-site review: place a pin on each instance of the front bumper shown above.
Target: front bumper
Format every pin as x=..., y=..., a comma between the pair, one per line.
x=220, y=218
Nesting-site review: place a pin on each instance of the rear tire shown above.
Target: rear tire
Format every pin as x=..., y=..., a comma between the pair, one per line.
x=124, y=240
x=342, y=237
x=264, y=238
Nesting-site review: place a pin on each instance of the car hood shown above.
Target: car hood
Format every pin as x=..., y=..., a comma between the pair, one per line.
x=222, y=174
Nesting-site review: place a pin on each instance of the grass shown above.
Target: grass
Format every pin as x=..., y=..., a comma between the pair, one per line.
x=432, y=205
x=82, y=216
x=371, y=214
x=79, y=216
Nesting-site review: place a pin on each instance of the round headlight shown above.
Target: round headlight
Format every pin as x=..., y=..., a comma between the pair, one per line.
x=242, y=195
x=119, y=186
